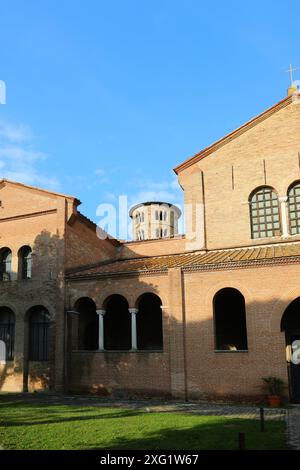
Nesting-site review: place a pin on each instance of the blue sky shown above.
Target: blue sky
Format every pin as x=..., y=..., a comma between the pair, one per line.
x=106, y=97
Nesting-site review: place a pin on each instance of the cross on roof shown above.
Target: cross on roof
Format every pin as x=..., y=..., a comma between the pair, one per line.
x=290, y=71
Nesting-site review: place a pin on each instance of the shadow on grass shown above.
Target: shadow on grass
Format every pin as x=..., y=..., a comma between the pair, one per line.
x=30, y=414
x=217, y=434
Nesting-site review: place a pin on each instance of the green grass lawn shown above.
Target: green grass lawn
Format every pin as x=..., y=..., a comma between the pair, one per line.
x=39, y=426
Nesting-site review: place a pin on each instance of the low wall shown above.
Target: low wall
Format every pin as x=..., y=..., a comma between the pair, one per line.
x=120, y=374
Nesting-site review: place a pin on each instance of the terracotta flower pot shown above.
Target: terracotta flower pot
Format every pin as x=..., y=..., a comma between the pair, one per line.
x=274, y=401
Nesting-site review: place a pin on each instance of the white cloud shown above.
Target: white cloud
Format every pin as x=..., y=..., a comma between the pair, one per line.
x=15, y=133
x=19, y=161
x=99, y=172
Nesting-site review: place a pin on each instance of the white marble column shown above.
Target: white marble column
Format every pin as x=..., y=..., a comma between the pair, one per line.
x=284, y=216
x=101, y=314
x=133, y=312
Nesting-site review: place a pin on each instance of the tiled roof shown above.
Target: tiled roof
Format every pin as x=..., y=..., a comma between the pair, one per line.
x=215, y=259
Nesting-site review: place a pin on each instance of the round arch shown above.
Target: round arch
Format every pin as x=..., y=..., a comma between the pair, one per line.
x=117, y=323
x=265, y=220
x=149, y=322
x=87, y=324
x=290, y=325
x=230, y=320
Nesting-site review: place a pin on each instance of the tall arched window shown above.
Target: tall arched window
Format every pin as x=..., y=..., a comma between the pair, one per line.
x=88, y=324
x=39, y=325
x=117, y=324
x=5, y=264
x=264, y=213
x=149, y=323
x=230, y=320
x=25, y=262
x=7, y=331
x=294, y=208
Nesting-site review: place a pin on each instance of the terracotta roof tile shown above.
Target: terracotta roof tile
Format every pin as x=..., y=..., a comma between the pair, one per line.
x=188, y=261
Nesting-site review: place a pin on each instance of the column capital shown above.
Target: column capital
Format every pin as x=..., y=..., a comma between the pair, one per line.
x=164, y=307
x=72, y=312
x=283, y=198
x=101, y=311
x=133, y=311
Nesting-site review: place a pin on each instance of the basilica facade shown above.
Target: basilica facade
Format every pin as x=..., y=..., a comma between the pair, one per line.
x=205, y=315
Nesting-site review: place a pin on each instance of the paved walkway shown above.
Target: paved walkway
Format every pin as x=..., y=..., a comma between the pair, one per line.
x=201, y=408
x=293, y=427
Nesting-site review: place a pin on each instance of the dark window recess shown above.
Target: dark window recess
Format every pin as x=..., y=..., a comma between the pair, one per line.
x=5, y=264
x=149, y=323
x=117, y=324
x=230, y=321
x=88, y=324
x=7, y=332
x=39, y=325
x=25, y=262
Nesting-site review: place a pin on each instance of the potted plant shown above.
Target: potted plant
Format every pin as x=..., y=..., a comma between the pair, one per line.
x=275, y=388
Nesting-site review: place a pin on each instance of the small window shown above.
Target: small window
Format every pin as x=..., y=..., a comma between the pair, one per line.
x=7, y=332
x=156, y=215
x=25, y=262
x=294, y=208
x=157, y=233
x=161, y=215
x=165, y=232
x=5, y=260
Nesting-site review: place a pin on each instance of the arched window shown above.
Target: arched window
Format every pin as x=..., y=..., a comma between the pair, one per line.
x=290, y=321
x=39, y=324
x=264, y=213
x=7, y=331
x=25, y=262
x=294, y=208
x=149, y=323
x=5, y=264
x=230, y=320
x=88, y=324
x=117, y=324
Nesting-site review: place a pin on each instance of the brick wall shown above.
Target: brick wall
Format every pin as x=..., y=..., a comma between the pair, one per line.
x=84, y=247
x=190, y=366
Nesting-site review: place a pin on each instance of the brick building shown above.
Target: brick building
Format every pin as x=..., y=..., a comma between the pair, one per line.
x=205, y=315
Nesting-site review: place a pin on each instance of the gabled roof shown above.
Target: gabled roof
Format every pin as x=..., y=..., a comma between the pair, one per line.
x=229, y=137
x=35, y=188
x=210, y=260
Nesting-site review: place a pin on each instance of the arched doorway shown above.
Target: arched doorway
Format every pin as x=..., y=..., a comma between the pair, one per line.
x=290, y=324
